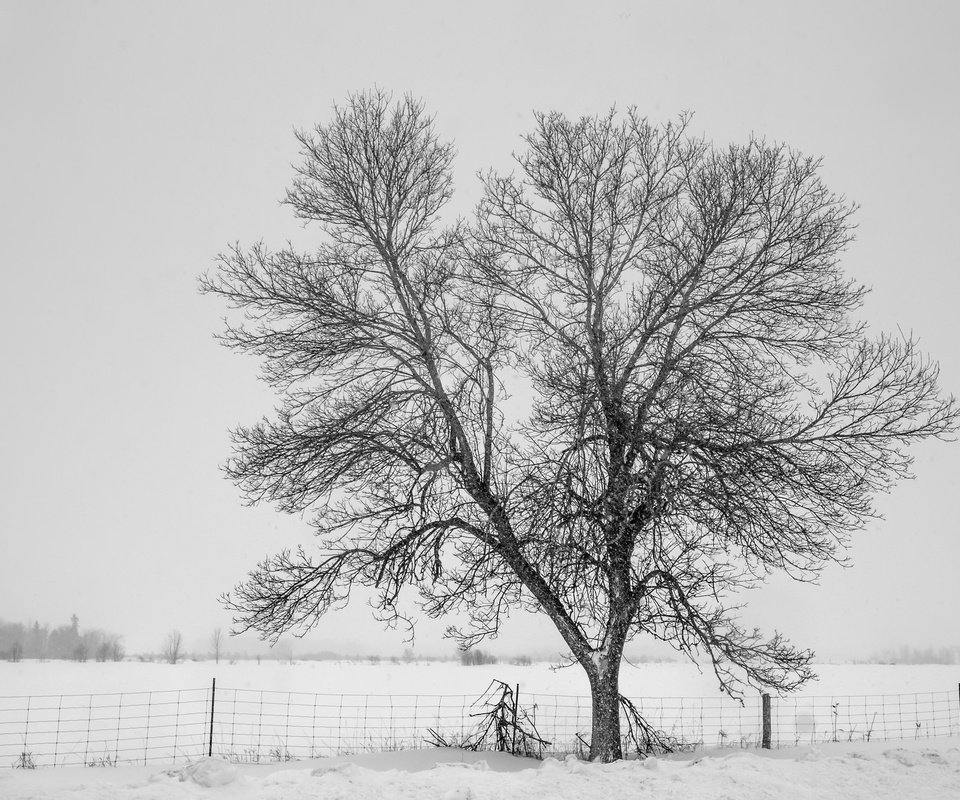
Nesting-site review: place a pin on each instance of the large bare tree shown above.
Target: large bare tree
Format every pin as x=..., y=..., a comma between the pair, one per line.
x=695, y=403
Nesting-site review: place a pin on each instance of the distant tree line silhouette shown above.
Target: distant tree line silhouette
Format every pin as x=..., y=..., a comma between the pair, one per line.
x=65, y=642
x=917, y=655
x=475, y=657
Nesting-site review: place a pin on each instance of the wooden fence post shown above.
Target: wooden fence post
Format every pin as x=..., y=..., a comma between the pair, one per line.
x=765, y=742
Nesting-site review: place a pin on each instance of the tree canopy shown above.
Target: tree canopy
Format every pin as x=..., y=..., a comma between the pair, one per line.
x=702, y=405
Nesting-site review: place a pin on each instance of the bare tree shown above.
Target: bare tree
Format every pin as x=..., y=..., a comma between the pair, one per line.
x=103, y=651
x=116, y=649
x=705, y=408
x=172, y=652
x=216, y=642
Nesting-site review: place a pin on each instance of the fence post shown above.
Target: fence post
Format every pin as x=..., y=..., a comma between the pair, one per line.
x=765, y=742
x=146, y=742
x=516, y=708
x=116, y=744
x=56, y=741
x=26, y=734
x=86, y=748
x=213, y=698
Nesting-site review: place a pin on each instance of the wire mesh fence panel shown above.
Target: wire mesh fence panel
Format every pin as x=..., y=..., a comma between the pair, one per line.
x=254, y=726
x=811, y=720
x=694, y=722
x=257, y=726
x=562, y=720
x=102, y=729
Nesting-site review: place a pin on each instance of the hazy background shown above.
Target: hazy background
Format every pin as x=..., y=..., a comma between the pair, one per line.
x=138, y=140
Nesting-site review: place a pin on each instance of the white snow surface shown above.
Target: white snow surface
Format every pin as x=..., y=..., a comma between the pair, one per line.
x=874, y=771
x=681, y=679
x=925, y=768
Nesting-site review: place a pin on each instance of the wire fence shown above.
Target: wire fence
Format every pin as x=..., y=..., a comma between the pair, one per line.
x=103, y=729
x=245, y=725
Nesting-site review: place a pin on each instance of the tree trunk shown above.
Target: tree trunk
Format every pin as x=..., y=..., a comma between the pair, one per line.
x=605, y=744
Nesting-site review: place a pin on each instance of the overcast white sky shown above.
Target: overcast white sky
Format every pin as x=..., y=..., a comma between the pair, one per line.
x=139, y=139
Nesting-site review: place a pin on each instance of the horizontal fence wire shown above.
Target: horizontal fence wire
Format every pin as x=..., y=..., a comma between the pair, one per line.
x=261, y=726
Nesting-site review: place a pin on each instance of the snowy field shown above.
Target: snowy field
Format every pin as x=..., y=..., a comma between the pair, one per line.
x=874, y=771
x=433, y=677
x=917, y=764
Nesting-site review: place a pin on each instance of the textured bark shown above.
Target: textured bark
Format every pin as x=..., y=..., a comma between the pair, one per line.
x=605, y=742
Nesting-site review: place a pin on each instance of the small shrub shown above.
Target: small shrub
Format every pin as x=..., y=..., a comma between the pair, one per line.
x=106, y=760
x=456, y=739
x=249, y=755
x=25, y=761
x=281, y=754
x=503, y=726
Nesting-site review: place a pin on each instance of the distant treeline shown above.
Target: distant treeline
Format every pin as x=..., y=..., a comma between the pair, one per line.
x=66, y=642
x=917, y=655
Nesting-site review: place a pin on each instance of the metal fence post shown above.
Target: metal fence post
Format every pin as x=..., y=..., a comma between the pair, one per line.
x=213, y=698
x=765, y=741
x=176, y=727
x=56, y=741
x=146, y=742
x=516, y=711
x=26, y=734
x=116, y=744
x=86, y=747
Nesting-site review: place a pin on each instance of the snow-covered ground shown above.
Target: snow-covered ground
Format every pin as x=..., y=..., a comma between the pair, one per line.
x=874, y=771
x=679, y=679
